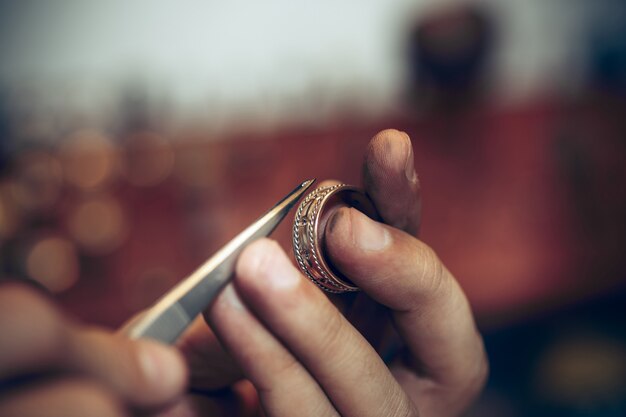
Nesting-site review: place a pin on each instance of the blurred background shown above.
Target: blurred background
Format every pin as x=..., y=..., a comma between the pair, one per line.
x=138, y=137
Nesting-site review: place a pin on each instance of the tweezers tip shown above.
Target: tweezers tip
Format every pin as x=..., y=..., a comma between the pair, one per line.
x=307, y=183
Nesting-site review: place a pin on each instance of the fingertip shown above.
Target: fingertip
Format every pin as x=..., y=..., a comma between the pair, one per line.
x=255, y=256
x=163, y=368
x=391, y=149
x=264, y=266
x=391, y=180
x=390, y=134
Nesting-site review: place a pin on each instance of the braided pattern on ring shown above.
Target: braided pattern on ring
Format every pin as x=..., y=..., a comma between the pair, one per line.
x=305, y=246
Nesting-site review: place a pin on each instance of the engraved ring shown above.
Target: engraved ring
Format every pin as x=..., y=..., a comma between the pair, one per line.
x=308, y=233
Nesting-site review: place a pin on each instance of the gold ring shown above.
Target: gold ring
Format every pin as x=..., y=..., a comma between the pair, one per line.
x=308, y=233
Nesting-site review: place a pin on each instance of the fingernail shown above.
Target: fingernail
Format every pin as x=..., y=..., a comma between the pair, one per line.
x=275, y=267
x=368, y=234
x=161, y=365
x=283, y=274
x=335, y=219
x=409, y=168
x=230, y=296
x=397, y=147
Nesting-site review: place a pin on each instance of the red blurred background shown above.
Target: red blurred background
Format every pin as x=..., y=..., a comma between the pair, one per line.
x=523, y=180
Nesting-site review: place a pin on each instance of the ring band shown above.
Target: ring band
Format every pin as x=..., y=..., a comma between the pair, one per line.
x=308, y=233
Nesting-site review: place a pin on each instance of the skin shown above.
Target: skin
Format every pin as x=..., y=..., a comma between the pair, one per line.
x=301, y=352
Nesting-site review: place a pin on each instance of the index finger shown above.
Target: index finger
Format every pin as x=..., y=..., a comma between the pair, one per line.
x=447, y=365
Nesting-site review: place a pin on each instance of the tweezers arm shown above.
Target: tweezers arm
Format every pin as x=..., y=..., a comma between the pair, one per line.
x=173, y=312
x=166, y=327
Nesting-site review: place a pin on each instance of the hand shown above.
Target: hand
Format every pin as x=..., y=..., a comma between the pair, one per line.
x=51, y=366
x=302, y=355
x=305, y=358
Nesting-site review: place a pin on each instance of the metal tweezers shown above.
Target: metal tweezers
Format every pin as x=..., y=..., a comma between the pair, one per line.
x=170, y=315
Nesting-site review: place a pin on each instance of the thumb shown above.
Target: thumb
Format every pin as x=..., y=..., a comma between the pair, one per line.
x=144, y=372
x=41, y=340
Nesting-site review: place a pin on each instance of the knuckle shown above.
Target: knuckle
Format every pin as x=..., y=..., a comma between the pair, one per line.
x=478, y=378
x=469, y=384
x=431, y=277
x=331, y=339
x=288, y=366
x=398, y=404
x=284, y=371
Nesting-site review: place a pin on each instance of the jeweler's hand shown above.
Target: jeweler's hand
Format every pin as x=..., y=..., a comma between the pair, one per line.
x=51, y=366
x=305, y=358
x=299, y=351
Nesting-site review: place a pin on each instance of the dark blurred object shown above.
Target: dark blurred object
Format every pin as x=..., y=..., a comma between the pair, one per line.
x=448, y=50
x=607, y=48
x=590, y=147
x=569, y=363
x=4, y=130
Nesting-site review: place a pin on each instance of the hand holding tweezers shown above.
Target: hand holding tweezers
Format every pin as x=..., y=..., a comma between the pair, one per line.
x=169, y=316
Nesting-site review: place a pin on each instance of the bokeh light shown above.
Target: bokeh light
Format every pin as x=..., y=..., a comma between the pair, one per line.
x=586, y=371
x=37, y=180
x=89, y=159
x=53, y=262
x=98, y=224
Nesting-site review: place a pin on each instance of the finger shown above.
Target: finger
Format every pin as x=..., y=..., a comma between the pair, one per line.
x=33, y=331
x=279, y=378
x=390, y=180
x=68, y=398
x=38, y=339
x=336, y=355
x=144, y=372
x=430, y=310
x=211, y=367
